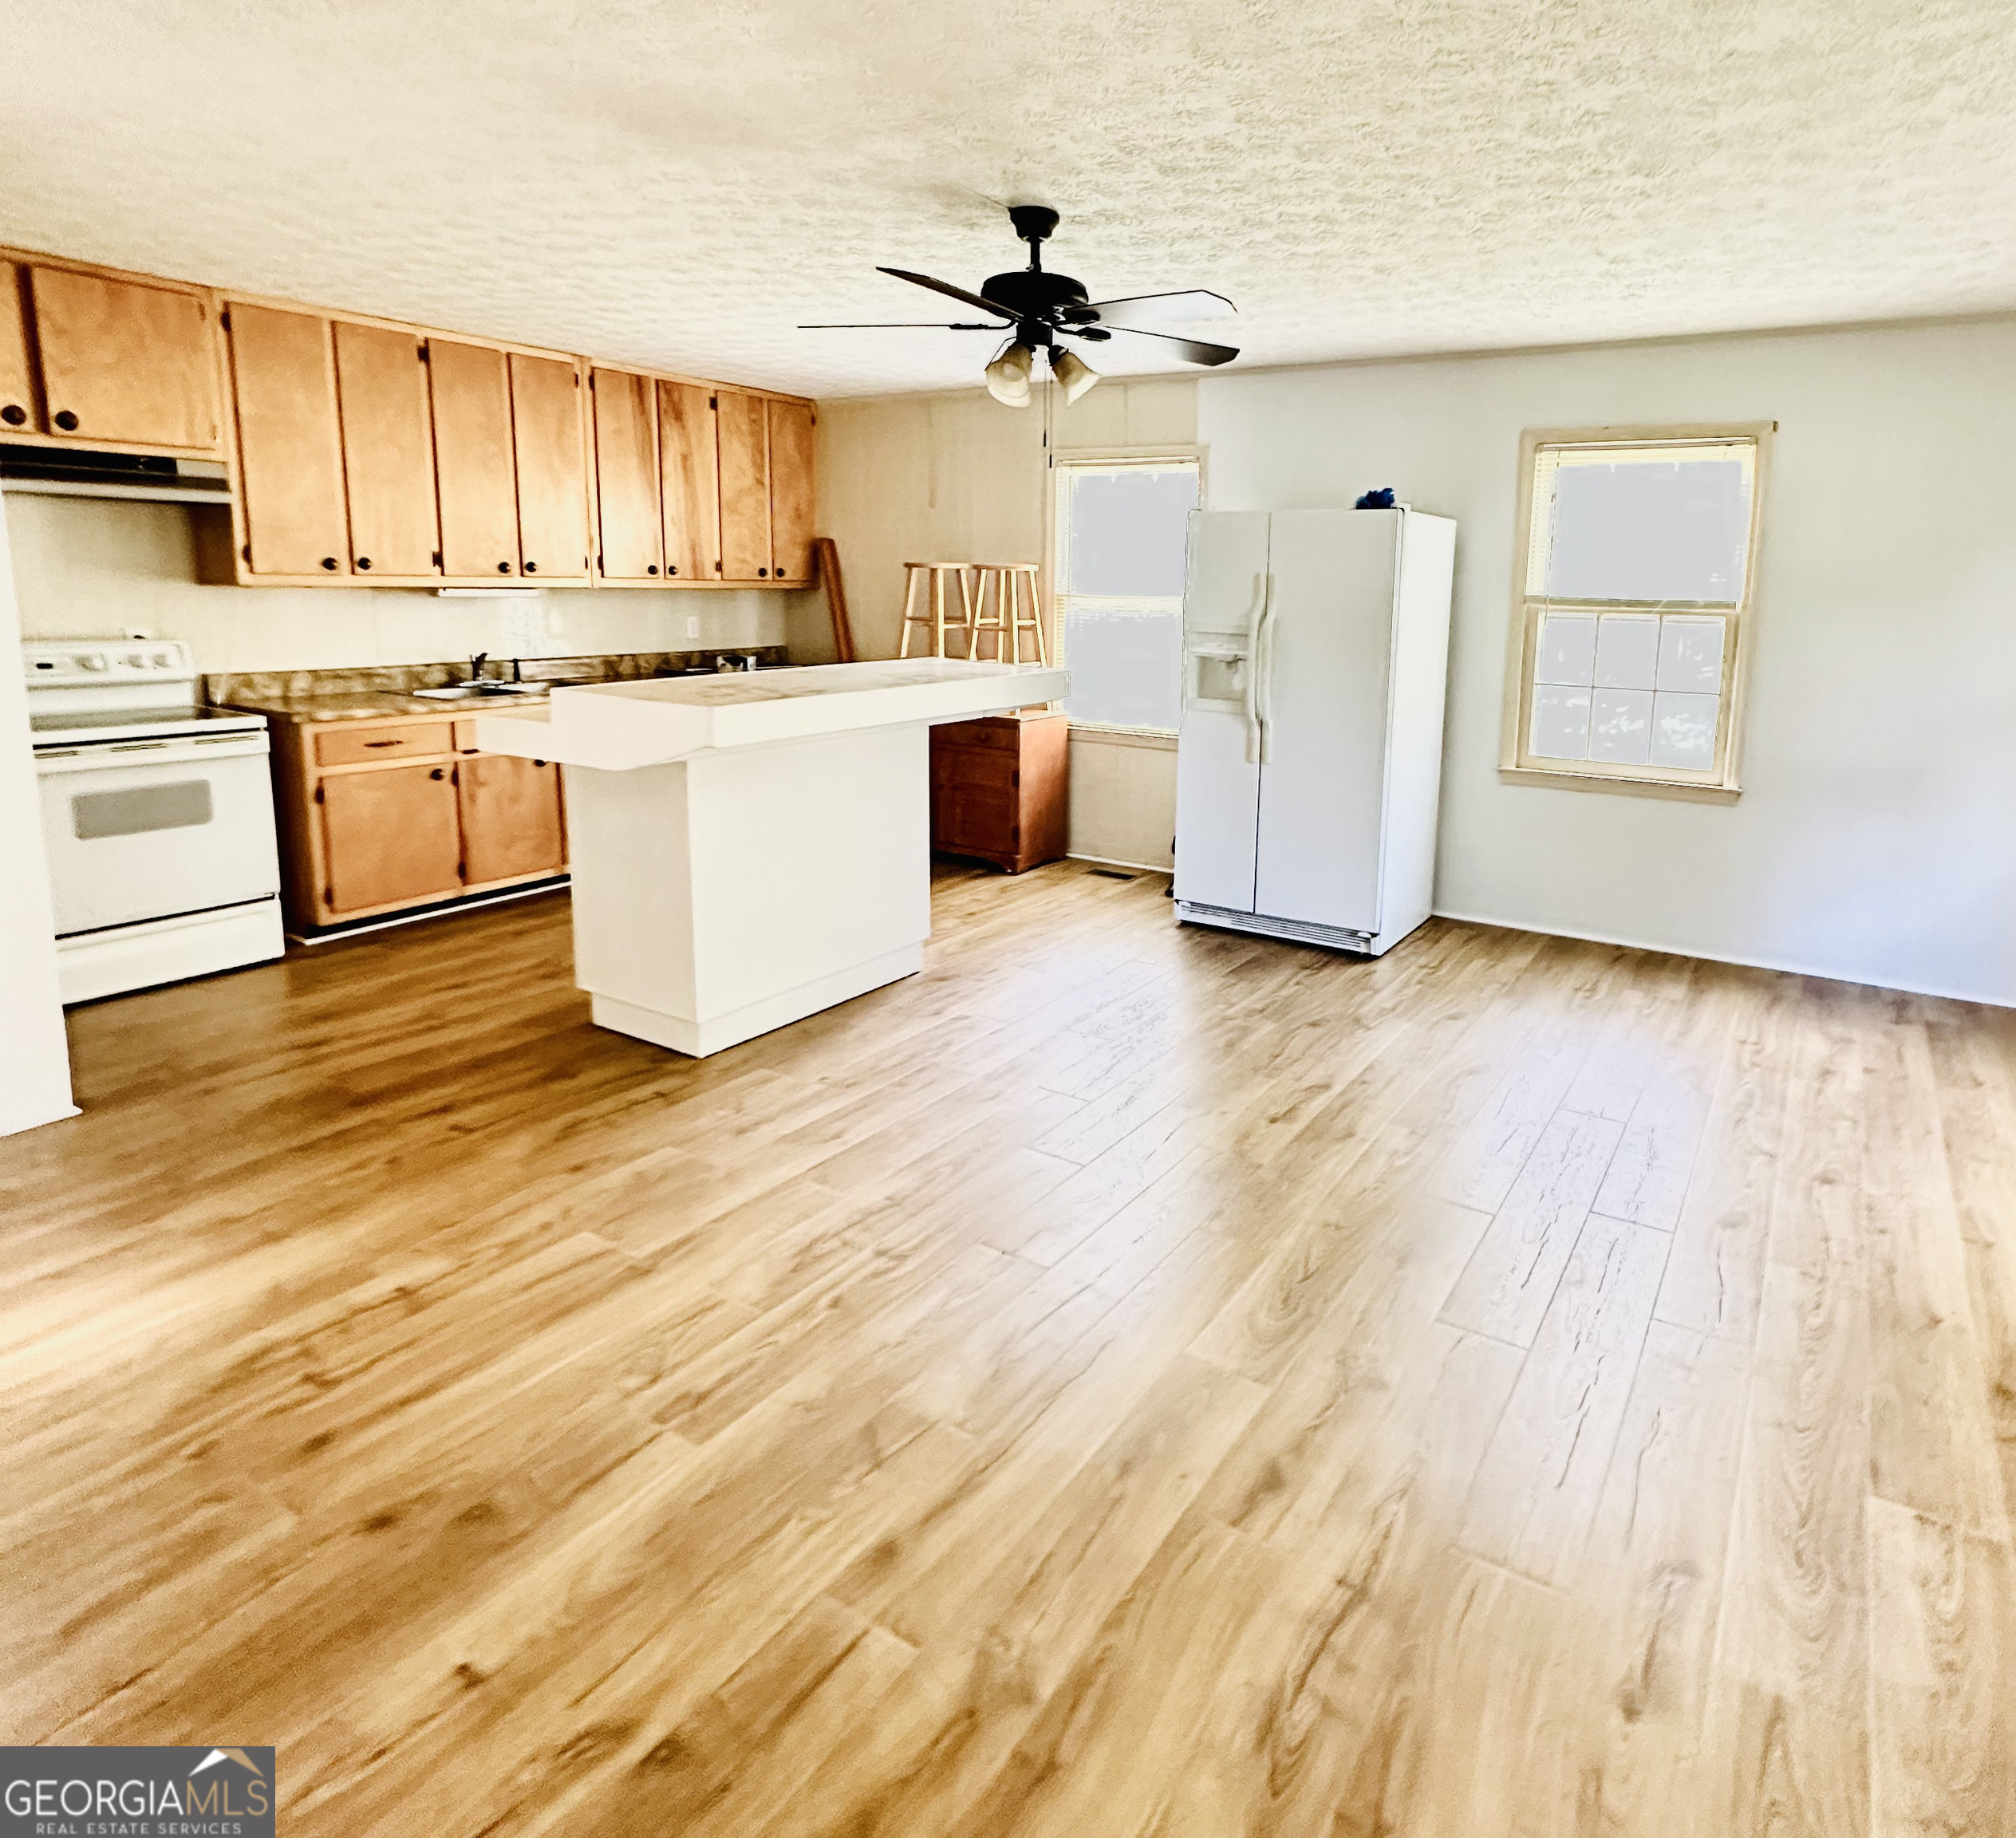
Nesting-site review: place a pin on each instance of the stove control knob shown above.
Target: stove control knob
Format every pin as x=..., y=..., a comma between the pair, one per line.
x=93, y=660
x=162, y=660
x=136, y=660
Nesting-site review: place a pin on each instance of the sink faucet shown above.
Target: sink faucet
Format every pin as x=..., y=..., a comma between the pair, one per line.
x=476, y=666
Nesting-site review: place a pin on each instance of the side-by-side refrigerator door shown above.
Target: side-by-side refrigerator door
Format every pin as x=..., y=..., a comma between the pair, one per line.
x=1218, y=748
x=1326, y=661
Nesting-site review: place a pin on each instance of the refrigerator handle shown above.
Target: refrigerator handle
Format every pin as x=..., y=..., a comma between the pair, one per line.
x=1259, y=674
x=1256, y=622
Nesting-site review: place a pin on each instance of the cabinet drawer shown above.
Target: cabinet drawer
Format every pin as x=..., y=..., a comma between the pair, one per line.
x=967, y=817
x=976, y=766
x=990, y=730
x=355, y=747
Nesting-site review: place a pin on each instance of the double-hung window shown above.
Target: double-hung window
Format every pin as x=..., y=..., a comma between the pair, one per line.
x=1635, y=560
x=1122, y=529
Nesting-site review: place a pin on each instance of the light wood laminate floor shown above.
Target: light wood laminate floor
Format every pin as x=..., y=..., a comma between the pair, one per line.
x=1125, y=1382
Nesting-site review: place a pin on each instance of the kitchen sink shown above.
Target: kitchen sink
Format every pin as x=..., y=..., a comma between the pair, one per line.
x=479, y=691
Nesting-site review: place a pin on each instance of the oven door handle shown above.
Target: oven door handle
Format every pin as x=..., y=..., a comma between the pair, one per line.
x=104, y=755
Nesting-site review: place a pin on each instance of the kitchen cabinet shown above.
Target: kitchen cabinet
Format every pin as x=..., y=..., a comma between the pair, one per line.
x=389, y=836
x=626, y=477
x=1001, y=788
x=289, y=444
x=388, y=441
x=511, y=818
x=547, y=439
x=475, y=469
x=387, y=813
x=690, y=481
x=125, y=363
x=744, y=438
x=790, y=427
x=16, y=379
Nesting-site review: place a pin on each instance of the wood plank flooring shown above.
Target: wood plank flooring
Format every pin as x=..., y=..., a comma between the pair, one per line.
x=1127, y=1382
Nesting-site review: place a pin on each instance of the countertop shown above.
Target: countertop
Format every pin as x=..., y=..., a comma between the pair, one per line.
x=378, y=705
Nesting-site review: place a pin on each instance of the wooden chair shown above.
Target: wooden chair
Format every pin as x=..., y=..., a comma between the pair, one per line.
x=930, y=578
x=1015, y=608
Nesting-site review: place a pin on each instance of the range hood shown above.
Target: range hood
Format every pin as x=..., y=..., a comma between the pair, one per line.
x=65, y=472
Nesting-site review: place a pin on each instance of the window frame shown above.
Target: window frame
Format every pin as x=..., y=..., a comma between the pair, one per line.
x=1719, y=784
x=1159, y=453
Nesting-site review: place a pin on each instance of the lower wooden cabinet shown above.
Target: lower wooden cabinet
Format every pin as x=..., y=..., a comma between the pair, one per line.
x=379, y=815
x=1001, y=788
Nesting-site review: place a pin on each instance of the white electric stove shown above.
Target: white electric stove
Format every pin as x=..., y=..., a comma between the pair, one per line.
x=157, y=815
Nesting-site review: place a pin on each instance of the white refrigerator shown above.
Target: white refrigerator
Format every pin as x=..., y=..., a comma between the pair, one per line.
x=1308, y=766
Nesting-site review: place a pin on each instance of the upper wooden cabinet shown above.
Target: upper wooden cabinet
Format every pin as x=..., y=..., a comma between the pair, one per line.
x=16, y=380
x=292, y=523
x=474, y=464
x=790, y=431
x=690, y=482
x=547, y=432
x=388, y=450
x=125, y=363
x=745, y=485
x=626, y=476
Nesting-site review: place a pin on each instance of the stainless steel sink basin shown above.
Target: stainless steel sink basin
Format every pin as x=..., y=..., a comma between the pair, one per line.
x=479, y=691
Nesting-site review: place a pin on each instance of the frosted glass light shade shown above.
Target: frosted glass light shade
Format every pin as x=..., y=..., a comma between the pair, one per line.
x=1073, y=372
x=1007, y=376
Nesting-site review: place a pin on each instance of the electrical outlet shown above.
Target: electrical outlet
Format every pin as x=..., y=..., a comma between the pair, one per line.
x=693, y=624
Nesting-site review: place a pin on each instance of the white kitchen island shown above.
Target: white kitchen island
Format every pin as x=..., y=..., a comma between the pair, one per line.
x=748, y=850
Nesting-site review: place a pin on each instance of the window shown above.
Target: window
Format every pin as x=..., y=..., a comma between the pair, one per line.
x=1633, y=601
x=1122, y=526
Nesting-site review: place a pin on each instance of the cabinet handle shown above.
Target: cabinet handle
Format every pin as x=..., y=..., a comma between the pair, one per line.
x=364, y=561
x=329, y=562
x=503, y=567
x=652, y=569
x=13, y=414
x=65, y=420
x=385, y=742
x=531, y=567
x=538, y=762
x=438, y=772
x=762, y=574
x=672, y=567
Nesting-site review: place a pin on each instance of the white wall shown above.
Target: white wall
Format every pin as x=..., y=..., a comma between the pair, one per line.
x=1874, y=840
x=958, y=477
x=88, y=568
x=34, y=1055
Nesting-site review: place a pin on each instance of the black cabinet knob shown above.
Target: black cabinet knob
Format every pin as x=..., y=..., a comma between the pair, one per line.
x=762, y=574
x=329, y=562
x=65, y=420
x=364, y=561
x=531, y=567
x=672, y=567
x=652, y=569
x=13, y=414
x=503, y=567
x=438, y=772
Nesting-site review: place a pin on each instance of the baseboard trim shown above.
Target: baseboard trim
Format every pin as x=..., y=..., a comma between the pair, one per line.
x=1121, y=861
x=1783, y=969
x=36, y=1119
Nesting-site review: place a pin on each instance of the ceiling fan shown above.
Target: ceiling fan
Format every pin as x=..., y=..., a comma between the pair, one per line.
x=1037, y=308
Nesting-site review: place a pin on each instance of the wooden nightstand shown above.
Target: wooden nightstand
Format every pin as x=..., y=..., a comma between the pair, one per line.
x=1001, y=788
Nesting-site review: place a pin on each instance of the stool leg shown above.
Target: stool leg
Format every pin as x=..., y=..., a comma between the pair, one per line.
x=909, y=607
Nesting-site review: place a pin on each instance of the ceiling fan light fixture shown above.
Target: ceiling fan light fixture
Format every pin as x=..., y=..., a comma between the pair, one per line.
x=1007, y=376
x=1073, y=372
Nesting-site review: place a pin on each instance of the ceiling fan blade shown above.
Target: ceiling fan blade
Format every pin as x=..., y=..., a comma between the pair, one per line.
x=1147, y=309
x=978, y=300
x=1190, y=350
x=903, y=325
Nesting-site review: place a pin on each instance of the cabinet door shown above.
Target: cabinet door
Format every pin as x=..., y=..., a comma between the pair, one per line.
x=388, y=451
x=552, y=468
x=388, y=836
x=289, y=452
x=790, y=491
x=126, y=363
x=626, y=476
x=745, y=486
x=511, y=818
x=690, y=481
x=17, y=382
x=473, y=466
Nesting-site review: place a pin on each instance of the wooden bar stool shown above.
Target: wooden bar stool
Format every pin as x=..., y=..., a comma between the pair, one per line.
x=929, y=576
x=1015, y=610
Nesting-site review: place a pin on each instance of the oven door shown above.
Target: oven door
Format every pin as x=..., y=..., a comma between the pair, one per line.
x=142, y=829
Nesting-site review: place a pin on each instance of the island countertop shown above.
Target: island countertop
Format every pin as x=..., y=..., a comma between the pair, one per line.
x=615, y=727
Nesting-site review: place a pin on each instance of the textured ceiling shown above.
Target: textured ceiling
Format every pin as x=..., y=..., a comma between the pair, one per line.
x=678, y=185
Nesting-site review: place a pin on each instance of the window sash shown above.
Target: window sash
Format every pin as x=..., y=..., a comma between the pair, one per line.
x=1542, y=456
